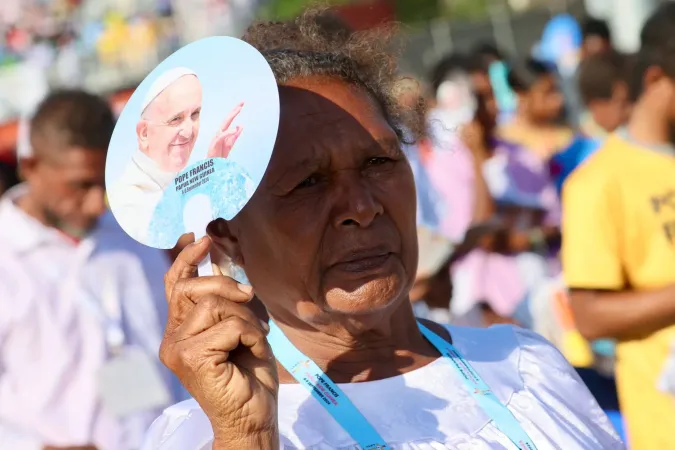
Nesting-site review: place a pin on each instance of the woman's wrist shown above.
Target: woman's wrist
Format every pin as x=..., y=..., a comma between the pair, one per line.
x=268, y=440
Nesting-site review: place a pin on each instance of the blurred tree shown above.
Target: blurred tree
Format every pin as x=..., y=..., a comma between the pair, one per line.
x=407, y=11
x=415, y=11
x=287, y=9
x=465, y=9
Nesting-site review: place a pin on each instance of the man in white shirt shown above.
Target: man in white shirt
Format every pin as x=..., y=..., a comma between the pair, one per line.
x=167, y=131
x=77, y=296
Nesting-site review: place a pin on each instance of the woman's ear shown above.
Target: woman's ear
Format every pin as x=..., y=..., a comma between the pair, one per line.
x=226, y=249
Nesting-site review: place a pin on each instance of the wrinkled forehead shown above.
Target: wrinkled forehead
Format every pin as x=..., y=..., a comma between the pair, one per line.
x=328, y=120
x=183, y=94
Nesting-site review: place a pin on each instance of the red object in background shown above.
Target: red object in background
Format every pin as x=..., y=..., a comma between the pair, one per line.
x=17, y=40
x=367, y=14
x=119, y=100
x=8, y=134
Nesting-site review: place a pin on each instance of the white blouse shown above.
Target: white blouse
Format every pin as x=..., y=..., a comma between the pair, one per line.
x=431, y=409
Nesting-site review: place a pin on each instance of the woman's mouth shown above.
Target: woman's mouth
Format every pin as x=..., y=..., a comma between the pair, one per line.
x=364, y=264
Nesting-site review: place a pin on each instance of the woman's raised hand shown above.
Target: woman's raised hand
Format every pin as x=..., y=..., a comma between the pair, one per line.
x=218, y=349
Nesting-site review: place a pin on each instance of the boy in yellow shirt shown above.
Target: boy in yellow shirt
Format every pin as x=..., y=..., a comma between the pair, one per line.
x=618, y=248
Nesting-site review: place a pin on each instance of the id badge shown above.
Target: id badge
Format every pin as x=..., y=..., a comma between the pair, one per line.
x=131, y=383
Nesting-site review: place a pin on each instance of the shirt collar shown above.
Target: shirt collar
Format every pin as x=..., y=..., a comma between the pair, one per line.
x=20, y=231
x=666, y=148
x=590, y=127
x=161, y=177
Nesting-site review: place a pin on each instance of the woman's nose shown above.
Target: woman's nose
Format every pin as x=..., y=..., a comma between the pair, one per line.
x=356, y=203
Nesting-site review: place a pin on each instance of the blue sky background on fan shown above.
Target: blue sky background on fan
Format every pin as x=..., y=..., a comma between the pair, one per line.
x=230, y=71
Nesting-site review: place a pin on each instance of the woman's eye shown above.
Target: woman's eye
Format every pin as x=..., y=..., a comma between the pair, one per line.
x=308, y=182
x=378, y=161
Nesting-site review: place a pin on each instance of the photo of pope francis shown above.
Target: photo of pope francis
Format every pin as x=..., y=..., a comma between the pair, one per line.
x=166, y=132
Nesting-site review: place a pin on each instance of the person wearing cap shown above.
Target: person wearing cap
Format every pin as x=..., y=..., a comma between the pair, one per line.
x=75, y=290
x=166, y=132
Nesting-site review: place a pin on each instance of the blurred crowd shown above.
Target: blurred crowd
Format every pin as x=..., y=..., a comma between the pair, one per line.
x=546, y=199
x=99, y=45
x=63, y=43
x=552, y=189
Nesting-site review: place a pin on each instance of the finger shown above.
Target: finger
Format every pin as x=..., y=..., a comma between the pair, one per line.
x=219, y=340
x=211, y=310
x=237, y=133
x=231, y=140
x=233, y=115
x=233, y=332
x=228, y=288
x=185, y=265
x=188, y=291
x=219, y=142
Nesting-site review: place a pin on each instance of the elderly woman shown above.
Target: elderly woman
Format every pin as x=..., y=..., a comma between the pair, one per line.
x=328, y=243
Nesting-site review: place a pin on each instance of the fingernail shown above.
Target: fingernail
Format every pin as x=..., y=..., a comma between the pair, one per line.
x=265, y=326
x=199, y=241
x=246, y=289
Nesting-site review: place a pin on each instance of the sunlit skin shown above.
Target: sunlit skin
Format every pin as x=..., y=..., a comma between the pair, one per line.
x=335, y=236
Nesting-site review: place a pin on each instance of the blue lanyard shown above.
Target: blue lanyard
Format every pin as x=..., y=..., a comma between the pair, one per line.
x=322, y=388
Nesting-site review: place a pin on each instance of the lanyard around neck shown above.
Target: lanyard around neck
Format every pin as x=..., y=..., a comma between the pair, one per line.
x=331, y=397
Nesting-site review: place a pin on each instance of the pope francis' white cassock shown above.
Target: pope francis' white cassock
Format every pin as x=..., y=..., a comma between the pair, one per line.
x=166, y=132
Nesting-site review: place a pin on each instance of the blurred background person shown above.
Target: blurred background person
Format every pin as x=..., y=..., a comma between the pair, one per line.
x=8, y=177
x=487, y=52
x=604, y=88
x=618, y=247
x=522, y=251
x=596, y=37
x=560, y=48
x=463, y=113
x=78, y=296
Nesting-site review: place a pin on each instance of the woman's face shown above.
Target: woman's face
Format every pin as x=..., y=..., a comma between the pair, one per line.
x=331, y=229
